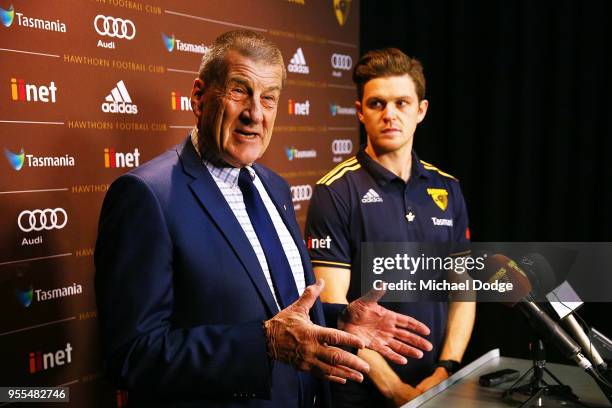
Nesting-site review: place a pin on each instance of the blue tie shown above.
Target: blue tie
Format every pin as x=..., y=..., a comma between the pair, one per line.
x=282, y=277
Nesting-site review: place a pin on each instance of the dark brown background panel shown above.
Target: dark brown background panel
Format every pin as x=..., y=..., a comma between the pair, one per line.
x=46, y=262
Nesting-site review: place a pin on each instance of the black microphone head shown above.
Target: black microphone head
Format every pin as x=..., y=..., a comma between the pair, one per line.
x=540, y=273
x=561, y=260
x=503, y=269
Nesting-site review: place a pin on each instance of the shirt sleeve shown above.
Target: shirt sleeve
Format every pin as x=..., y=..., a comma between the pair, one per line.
x=327, y=229
x=461, y=230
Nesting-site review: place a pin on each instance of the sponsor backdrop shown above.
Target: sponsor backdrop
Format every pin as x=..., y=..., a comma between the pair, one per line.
x=92, y=89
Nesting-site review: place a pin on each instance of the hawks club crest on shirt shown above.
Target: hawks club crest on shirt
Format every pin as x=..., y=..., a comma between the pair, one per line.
x=439, y=196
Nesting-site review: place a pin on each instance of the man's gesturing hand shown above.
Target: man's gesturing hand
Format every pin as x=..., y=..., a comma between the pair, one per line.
x=294, y=339
x=390, y=334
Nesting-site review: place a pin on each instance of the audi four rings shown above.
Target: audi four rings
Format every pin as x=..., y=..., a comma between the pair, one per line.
x=341, y=61
x=301, y=193
x=38, y=220
x=342, y=146
x=114, y=27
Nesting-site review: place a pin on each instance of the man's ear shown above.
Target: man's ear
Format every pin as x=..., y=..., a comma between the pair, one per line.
x=423, y=105
x=358, y=107
x=197, y=94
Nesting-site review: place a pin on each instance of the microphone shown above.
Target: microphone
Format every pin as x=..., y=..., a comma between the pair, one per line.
x=563, y=300
x=540, y=273
x=501, y=268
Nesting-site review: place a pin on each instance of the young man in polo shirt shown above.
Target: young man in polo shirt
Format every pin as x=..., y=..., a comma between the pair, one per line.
x=386, y=194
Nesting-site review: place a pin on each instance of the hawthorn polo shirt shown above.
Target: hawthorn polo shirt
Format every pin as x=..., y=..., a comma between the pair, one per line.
x=361, y=201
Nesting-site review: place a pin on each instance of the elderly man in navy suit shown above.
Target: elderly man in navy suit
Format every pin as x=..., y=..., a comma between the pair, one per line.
x=205, y=291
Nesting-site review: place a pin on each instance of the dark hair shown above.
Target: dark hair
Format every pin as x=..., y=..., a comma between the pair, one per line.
x=246, y=43
x=388, y=62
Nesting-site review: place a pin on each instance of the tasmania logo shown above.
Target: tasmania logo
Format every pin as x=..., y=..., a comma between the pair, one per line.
x=7, y=17
x=172, y=43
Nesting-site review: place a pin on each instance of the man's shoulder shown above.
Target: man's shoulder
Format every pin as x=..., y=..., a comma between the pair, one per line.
x=439, y=182
x=269, y=175
x=340, y=186
x=159, y=165
x=338, y=177
x=438, y=175
x=157, y=174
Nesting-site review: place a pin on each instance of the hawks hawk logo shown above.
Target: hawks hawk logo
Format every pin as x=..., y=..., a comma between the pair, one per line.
x=341, y=9
x=439, y=196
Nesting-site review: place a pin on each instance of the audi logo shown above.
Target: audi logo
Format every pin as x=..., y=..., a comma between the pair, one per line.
x=341, y=61
x=114, y=27
x=342, y=146
x=38, y=220
x=301, y=193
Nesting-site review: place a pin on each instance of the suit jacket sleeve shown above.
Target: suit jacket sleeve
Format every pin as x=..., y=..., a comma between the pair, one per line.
x=134, y=287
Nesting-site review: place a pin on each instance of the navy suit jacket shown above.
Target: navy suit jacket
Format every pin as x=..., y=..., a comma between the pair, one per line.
x=181, y=295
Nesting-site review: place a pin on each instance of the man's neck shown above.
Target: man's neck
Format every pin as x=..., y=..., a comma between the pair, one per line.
x=206, y=150
x=398, y=162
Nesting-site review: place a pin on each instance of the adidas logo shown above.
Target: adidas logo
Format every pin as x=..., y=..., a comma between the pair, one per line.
x=297, y=64
x=119, y=101
x=371, y=197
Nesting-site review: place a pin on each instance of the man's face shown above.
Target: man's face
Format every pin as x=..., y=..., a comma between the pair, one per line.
x=390, y=111
x=236, y=119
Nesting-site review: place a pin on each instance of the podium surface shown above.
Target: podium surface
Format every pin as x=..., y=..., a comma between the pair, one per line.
x=462, y=390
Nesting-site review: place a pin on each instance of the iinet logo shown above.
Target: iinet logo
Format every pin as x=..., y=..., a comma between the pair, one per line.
x=299, y=109
x=40, y=361
x=113, y=159
x=179, y=102
x=319, y=243
x=21, y=91
x=119, y=101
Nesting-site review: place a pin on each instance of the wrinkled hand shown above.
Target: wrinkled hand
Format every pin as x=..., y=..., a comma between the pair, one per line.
x=439, y=375
x=292, y=338
x=390, y=334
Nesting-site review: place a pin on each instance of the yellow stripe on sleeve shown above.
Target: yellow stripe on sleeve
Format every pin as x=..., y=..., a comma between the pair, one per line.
x=339, y=167
x=330, y=263
x=429, y=166
x=341, y=173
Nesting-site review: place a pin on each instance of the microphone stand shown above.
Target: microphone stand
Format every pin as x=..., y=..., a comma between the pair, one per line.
x=537, y=387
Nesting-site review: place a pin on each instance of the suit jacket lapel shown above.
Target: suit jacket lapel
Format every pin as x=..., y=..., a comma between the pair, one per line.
x=213, y=202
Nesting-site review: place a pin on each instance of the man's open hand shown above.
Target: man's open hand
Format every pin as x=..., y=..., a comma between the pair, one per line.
x=392, y=335
x=294, y=339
